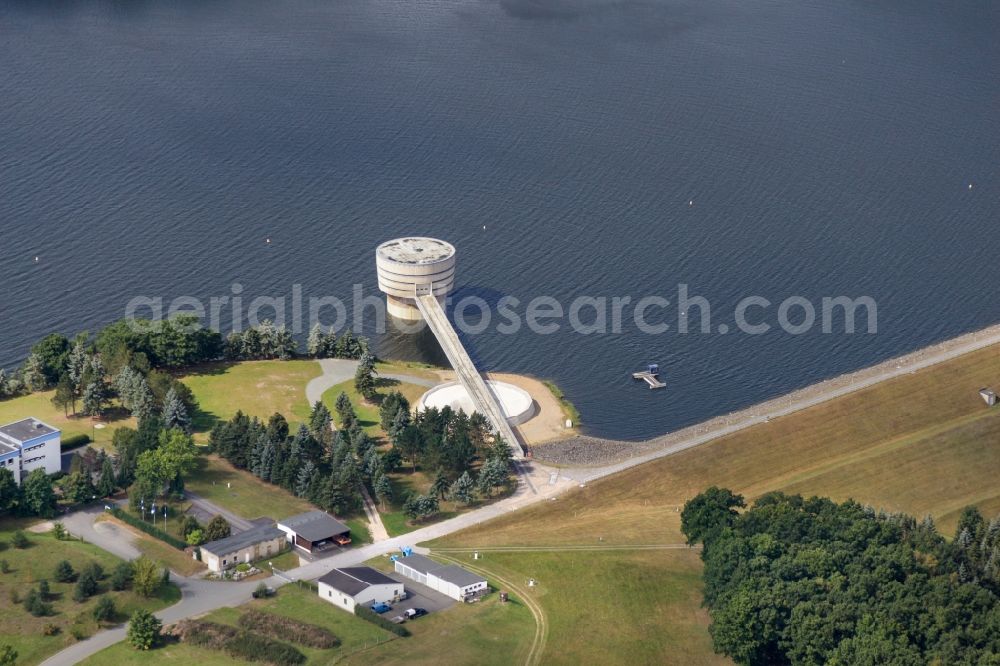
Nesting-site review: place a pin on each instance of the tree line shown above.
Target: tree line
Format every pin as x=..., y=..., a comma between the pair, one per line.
x=86, y=368
x=810, y=581
x=467, y=457
x=330, y=468
x=310, y=462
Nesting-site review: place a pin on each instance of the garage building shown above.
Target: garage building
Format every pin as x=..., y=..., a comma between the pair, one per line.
x=314, y=531
x=449, y=579
x=353, y=586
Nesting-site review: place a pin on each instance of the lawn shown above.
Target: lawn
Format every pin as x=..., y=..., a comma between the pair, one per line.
x=241, y=492
x=569, y=410
x=485, y=633
x=355, y=634
x=411, y=368
x=922, y=443
x=617, y=607
x=257, y=388
x=40, y=406
x=405, y=482
x=368, y=414
x=37, y=562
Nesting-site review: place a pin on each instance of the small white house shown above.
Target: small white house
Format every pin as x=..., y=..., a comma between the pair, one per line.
x=448, y=579
x=29, y=444
x=988, y=396
x=353, y=586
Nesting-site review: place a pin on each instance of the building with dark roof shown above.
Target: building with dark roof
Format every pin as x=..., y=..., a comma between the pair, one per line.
x=448, y=579
x=350, y=587
x=248, y=546
x=30, y=444
x=315, y=531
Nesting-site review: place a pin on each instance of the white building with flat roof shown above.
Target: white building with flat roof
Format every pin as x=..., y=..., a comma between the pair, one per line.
x=449, y=579
x=30, y=444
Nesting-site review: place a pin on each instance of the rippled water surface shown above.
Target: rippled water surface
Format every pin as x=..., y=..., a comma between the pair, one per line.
x=827, y=147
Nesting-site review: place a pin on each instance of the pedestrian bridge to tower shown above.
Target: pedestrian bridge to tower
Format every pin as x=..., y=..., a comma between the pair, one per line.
x=416, y=275
x=486, y=402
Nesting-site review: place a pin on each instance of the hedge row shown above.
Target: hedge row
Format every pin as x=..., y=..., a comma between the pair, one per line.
x=237, y=643
x=73, y=441
x=368, y=614
x=148, y=528
x=258, y=648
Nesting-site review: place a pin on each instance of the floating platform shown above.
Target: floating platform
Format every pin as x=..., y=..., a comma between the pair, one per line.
x=651, y=378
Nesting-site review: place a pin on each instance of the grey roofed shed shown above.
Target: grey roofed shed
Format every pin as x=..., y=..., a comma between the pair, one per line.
x=456, y=575
x=315, y=525
x=420, y=563
x=242, y=540
x=450, y=573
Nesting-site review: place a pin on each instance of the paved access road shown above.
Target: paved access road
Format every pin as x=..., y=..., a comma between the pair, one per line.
x=198, y=596
x=206, y=510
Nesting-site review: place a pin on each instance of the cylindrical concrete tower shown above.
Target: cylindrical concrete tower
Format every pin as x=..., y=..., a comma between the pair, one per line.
x=415, y=266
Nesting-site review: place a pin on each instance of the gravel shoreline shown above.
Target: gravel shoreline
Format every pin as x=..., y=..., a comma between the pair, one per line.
x=584, y=451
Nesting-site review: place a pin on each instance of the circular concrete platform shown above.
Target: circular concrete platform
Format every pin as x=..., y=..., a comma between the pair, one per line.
x=516, y=403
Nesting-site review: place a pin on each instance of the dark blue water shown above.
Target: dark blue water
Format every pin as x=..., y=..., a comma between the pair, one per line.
x=828, y=145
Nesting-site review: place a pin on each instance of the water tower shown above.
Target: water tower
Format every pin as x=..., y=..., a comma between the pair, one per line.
x=414, y=266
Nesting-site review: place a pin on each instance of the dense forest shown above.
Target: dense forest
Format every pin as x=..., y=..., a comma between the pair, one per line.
x=810, y=581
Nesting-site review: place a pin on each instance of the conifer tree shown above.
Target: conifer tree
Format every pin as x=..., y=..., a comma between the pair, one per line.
x=305, y=477
x=175, y=414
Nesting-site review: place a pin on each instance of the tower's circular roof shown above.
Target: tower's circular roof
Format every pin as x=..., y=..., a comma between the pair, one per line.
x=415, y=251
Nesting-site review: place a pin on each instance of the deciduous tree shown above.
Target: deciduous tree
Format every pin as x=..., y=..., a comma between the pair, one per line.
x=145, y=576
x=38, y=497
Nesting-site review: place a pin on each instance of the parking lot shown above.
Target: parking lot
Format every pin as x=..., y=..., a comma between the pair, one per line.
x=418, y=596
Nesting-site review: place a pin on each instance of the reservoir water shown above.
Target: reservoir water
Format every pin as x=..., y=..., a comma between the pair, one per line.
x=566, y=147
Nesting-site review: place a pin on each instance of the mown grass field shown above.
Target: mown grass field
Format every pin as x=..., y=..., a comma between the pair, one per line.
x=258, y=388
x=244, y=494
x=40, y=406
x=922, y=443
x=484, y=633
x=291, y=601
x=368, y=414
x=239, y=491
x=37, y=562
